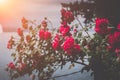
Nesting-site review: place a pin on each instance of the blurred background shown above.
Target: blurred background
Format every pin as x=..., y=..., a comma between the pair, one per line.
x=12, y=11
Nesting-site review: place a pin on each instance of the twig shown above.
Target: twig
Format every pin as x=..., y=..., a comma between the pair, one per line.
x=82, y=26
x=75, y=62
x=66, y=74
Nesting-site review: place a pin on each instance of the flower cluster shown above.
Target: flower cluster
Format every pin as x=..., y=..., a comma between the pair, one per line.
x=11, y=65
x=56, y=42
x=39, y=51
x=20, y=32
x=67, y=16
x=10, y=43
x=24, y=23
x=113, y=35
x=114, y=40
x=101, y=26
x=70, y=47
x=19, y=67
x=64, y=30
x=67, y=42
x=44, y=34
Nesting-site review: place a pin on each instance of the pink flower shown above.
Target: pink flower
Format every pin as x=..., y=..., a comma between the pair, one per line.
x=47, y=35
x=75, y=30
x=64, y=30
x=117, y=50
x=101, y=26
x=20, y=32
x=11, y=65
x=44, y=23
x=9, y=46
x=41, y=34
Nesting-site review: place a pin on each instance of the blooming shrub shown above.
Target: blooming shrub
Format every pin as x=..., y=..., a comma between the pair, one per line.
x=40, y=51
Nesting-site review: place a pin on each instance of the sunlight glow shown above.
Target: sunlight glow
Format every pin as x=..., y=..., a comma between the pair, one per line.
x=3, y=2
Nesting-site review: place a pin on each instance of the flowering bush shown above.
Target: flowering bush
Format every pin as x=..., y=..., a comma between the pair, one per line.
x=40, y=51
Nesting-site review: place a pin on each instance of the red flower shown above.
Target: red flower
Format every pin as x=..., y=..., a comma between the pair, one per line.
x=76, y=48
x=101, y=26
x=68, y=45
x=56, y=42
x=117, y=36
x=56, y=45
x=24, y=20
x=20, y=32
x=118, y=27
x=67, y=15
x=47, y=35
x=111, y=39
x=114, y=40
x=21, y=66
x=11, y=65
x=63, y=12
x=64, y=30
x=41, y=34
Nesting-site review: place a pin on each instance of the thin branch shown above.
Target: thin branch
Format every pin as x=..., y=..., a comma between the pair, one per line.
x=66, y=74
x=82, y=26
x=74, y=62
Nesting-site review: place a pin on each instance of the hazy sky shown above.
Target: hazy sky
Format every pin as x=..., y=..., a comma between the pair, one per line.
x=11, y=12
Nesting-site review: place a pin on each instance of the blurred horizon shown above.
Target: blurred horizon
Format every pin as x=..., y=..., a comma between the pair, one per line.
x=12, y=11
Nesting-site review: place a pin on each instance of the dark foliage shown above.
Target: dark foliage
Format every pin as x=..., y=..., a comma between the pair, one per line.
x=96, y=8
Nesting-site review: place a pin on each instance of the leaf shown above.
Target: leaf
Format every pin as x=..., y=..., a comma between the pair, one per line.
x=92, y=73
x=13, y=54
x=71, y=66
x=87, y=68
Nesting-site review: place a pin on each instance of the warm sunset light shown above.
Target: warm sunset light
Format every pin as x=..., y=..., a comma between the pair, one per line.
x=3, y=2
